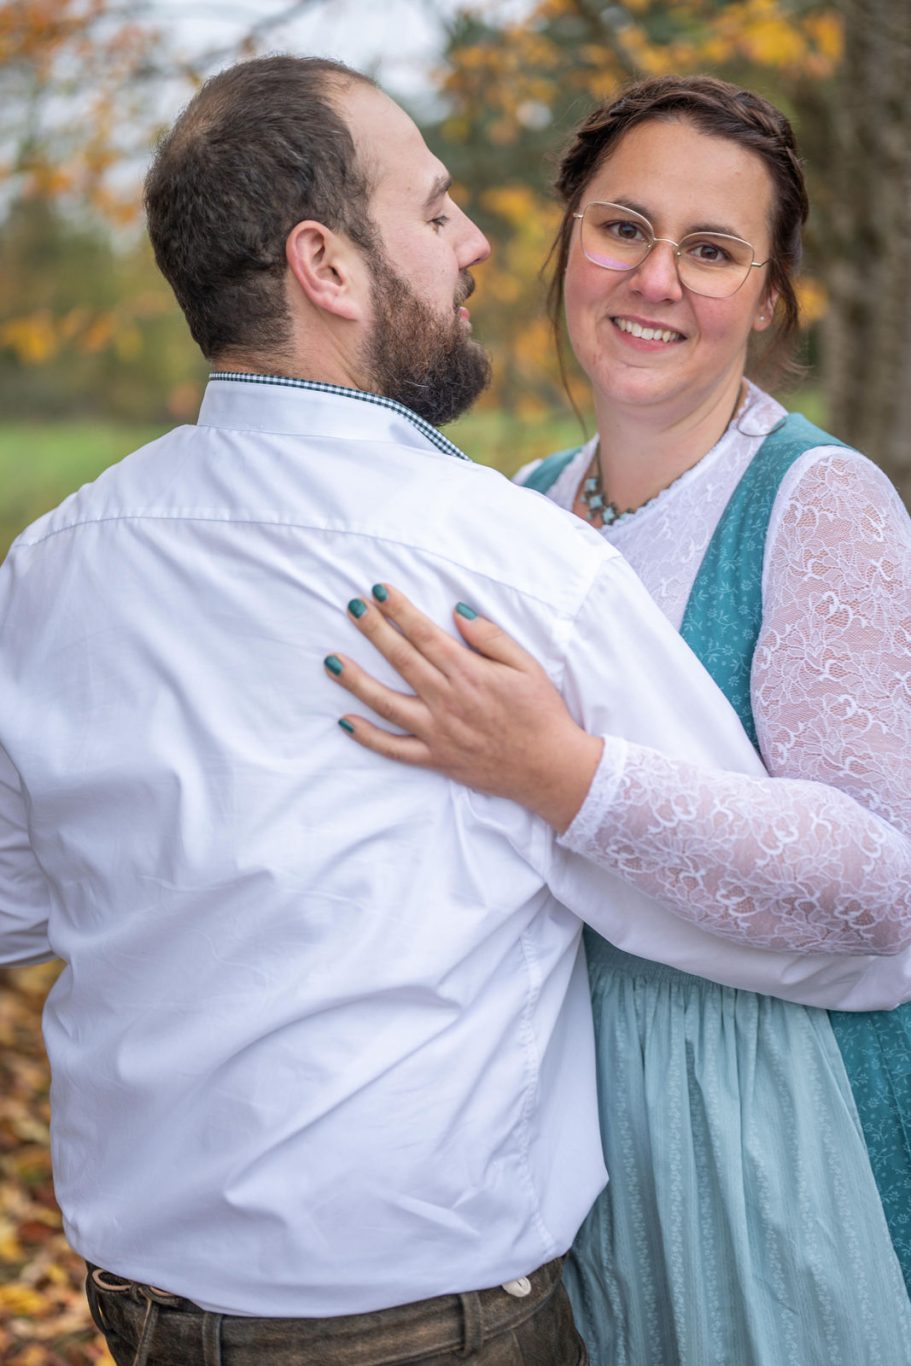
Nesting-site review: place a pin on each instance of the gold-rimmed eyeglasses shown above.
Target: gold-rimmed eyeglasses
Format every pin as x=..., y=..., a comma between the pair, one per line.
x=713, y=264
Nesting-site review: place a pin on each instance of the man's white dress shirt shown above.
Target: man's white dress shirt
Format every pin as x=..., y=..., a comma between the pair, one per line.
x=322, y=1042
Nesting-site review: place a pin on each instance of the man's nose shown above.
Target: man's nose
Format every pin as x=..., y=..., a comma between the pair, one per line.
x=473, y=245
x=657, y=276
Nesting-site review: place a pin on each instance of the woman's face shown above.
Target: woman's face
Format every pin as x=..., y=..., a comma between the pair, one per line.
x=682, y=181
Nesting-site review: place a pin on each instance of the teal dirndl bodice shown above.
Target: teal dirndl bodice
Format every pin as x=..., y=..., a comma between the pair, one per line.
x=759, y=1200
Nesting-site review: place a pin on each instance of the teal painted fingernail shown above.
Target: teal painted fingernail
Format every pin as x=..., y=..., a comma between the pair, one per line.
x=333, y=664
x=346, y=725
x=357, y=607
x=380, y=592
x=465, y=611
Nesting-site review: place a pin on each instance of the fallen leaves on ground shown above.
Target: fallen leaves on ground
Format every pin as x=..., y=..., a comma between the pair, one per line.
x=44, y=1318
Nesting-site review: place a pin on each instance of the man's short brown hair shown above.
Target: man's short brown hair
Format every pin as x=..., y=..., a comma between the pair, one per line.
x=262, y=146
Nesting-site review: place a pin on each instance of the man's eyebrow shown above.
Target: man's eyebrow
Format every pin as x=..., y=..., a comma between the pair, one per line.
x=442, y=185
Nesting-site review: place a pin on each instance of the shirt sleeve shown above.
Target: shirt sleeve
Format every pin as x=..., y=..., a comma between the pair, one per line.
x=818, y=859
x=23, y=888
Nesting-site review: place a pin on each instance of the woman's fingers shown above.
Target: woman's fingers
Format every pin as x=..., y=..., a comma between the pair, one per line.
x=487, y=717
x=492, y=642
x=434, y=645
x=400, y=709
x=416, y=667
x=407, y=749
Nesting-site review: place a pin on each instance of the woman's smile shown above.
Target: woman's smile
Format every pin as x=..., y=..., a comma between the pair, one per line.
x=645, y=334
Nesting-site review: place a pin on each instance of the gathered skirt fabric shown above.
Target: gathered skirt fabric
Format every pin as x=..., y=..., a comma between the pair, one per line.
x=741, y=1225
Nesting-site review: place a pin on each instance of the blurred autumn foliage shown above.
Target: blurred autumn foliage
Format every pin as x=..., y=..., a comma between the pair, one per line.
x=87, y=325
x=44, y=1319
x=72, y=81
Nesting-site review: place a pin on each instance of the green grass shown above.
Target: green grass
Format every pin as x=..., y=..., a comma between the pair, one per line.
x=42, y=462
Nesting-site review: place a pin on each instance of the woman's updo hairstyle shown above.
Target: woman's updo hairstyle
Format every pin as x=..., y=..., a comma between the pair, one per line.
x=719, y=109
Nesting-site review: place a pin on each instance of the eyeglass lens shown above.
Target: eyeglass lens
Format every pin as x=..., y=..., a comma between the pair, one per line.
x=708, y=263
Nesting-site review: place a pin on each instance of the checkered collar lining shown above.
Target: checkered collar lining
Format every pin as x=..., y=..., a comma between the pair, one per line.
x=426, y=429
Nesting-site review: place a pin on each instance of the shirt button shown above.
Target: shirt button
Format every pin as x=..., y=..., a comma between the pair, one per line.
x=520, y=1287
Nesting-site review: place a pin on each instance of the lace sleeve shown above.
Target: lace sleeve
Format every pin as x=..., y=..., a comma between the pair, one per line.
x=819, y=856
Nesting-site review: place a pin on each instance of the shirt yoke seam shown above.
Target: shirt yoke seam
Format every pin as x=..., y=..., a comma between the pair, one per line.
x=567, y=616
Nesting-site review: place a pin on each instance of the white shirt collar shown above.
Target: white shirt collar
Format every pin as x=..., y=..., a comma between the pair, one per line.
x=219, y=408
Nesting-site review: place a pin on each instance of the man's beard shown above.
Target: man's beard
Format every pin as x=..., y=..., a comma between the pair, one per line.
x=428, y=363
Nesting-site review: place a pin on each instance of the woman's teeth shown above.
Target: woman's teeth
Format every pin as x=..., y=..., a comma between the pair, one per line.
x=647, y=333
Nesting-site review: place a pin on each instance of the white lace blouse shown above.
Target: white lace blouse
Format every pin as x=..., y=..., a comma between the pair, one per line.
x=818, y=857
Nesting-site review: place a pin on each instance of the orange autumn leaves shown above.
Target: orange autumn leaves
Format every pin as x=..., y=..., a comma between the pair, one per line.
x=71, y=75
x=572, y=45
x=44, y=1319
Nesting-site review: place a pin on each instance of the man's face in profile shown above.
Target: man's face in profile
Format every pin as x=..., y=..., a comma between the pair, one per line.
x=420, y=349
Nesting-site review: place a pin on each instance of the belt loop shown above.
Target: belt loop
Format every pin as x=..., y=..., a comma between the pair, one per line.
x=472, y=1325
x=109, y=1284
x=144, y=1344
x=211, y=1339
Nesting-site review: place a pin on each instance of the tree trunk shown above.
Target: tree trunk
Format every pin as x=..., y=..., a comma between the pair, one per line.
x=867, y=238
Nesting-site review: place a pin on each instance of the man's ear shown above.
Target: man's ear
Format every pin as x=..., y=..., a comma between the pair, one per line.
x=328, y=269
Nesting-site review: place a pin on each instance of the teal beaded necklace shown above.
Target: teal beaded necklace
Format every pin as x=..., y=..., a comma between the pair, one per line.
x=599, y=505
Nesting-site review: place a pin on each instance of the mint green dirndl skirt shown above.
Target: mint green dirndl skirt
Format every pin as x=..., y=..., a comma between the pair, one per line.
x=742, y=1225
